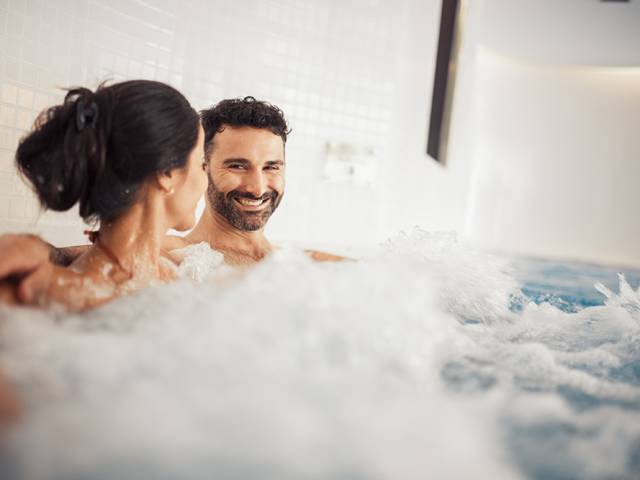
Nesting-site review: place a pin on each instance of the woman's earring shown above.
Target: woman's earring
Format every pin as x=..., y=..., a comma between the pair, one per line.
x=171, y=191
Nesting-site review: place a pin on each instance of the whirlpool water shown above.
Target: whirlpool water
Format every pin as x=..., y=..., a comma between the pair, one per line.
x=425, y=359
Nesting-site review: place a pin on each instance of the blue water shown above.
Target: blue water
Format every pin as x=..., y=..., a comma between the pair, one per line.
x=541, y=449
x=569, y=286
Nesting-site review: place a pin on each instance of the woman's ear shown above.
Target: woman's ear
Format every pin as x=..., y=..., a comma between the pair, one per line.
x=164, y=180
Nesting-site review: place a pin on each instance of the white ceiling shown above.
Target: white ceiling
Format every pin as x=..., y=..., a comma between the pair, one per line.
x=574, y=32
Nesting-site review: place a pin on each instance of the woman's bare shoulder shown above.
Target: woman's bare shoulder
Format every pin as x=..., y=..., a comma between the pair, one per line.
x=173, y=242
x=79, y=291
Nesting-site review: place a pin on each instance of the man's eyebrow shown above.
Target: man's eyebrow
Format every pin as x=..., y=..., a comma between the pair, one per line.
x=229, y=161
x=274, y=162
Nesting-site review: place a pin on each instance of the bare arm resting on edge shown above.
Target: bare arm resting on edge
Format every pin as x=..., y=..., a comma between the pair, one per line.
x=26, y=261
x=23, y=258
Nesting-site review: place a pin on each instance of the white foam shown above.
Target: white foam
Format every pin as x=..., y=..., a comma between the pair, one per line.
x=408, y=364
x=198, y=261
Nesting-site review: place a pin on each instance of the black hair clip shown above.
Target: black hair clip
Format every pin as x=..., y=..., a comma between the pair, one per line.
x=86, y=115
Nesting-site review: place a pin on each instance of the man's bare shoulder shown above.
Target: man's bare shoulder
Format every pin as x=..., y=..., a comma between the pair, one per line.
x=324, y=256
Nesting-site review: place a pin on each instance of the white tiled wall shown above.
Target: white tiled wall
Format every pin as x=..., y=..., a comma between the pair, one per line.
x=360, y=71
x=332, y=66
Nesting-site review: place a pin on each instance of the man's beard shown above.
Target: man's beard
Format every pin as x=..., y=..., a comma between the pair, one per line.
x=224, y=204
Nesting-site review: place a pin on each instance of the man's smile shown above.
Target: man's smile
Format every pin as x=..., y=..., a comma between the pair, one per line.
x=252, y=205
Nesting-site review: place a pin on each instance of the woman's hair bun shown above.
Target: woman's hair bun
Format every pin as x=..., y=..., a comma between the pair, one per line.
x=60, y=160
x=97, y=148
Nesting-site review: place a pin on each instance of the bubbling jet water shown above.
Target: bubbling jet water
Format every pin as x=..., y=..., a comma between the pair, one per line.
x=409, y=364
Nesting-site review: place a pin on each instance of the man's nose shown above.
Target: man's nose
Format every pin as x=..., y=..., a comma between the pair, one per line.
x=256, y=184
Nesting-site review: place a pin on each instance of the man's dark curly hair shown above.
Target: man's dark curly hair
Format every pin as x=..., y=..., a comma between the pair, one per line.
x=242, y=112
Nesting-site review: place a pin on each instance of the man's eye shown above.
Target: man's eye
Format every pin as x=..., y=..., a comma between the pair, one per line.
x=235, y=166
x=272, y=167
x=204, y=166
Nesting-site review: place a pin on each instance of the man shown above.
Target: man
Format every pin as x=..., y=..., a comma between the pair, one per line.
x=245, y=150
x=245, y=153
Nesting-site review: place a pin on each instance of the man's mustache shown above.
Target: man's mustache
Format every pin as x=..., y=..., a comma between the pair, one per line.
x=239, y=194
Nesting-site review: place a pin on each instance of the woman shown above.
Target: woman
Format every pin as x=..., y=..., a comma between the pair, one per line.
x=131, y=155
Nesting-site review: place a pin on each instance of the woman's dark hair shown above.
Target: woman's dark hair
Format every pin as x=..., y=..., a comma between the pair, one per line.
x=242, y=112
x=98, y=147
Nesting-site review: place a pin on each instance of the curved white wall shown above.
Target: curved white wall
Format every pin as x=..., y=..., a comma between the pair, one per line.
x=543, y=156
x=565, y=32
x=556, y=160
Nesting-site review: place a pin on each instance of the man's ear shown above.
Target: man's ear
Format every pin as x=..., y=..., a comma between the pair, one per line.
x=164, y=181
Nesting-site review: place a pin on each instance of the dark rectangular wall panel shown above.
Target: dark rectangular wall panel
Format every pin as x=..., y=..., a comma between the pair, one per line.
x=441, y=82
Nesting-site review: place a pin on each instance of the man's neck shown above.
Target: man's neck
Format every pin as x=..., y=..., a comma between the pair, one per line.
x=238, y=246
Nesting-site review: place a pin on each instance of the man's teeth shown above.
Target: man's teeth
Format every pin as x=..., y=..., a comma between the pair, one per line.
x=251, y=203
